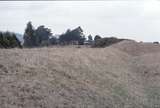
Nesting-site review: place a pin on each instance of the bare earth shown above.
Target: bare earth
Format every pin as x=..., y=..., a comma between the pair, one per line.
x=124, y=75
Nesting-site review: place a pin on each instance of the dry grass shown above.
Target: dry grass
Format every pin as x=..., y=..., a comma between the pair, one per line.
x=79, y=78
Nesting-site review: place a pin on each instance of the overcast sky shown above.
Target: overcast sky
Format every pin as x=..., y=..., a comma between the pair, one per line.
x=139, y=20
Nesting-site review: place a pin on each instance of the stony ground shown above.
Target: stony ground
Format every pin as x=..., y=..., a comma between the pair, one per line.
x=125, y=75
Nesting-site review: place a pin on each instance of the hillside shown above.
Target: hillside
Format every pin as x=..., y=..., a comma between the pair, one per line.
x=134, y=48
x=111, y=77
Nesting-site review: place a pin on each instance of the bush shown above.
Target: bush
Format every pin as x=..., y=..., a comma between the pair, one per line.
x=103, y=42
x=9, y=40
x=155, y=42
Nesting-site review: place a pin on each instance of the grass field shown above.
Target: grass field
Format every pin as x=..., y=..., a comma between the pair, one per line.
x=124, y=75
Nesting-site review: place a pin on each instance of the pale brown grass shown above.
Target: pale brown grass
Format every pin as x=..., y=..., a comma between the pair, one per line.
x=79, y=78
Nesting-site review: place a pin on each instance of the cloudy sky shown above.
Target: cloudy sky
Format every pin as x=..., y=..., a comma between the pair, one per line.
x=139, y=20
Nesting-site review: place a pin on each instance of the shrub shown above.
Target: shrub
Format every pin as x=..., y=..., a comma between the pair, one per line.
x=9, y=40
x=103, y=42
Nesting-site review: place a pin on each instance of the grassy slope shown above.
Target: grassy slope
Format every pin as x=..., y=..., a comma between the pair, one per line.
x=78, y=78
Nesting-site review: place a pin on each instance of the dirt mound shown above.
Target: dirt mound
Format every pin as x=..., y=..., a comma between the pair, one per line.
x=137, y=48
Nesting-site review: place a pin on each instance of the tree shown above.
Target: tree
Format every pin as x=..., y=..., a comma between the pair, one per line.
x=1, y=40
x=29, y=35
x=53, y=40
x=36, y=37
x=16, y=41
x=90, y=39
x=97, y=37
x=42, y=35
x=81, y=40
x=64, y=38
x=72, y=36
x=9, y=40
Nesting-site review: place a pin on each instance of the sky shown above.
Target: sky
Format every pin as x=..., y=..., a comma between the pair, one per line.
x=138, y=20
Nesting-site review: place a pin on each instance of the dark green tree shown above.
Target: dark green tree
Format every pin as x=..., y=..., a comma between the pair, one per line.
x=53, y=40
x=29, y=36
x=9, y=40
x=36, y=37
x=42, y=35
x=72, y=36
x=90, y=39
x=97, y=37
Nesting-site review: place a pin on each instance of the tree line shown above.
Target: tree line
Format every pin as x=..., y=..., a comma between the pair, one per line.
x=42, y=36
